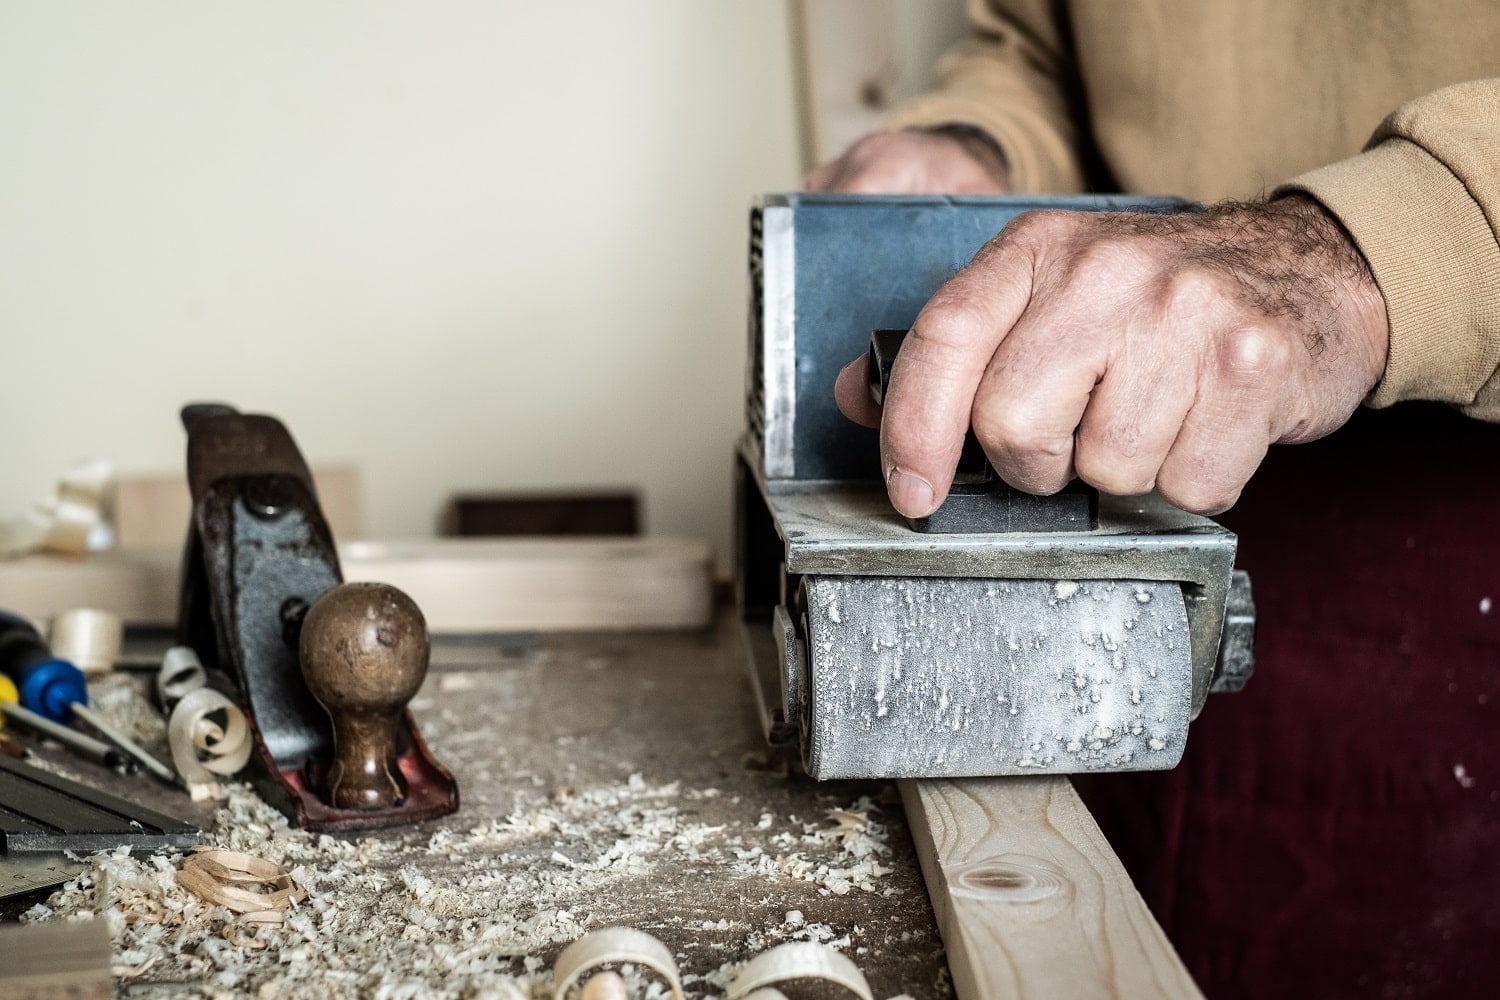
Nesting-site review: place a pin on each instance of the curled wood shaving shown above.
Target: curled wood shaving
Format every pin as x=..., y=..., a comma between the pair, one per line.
x=263, y=917
x=131, y=971
x=181, y=672
x=474, y=910
x=204, y=749
x=797, y=960
x=614, y=946
x=241, y=936
x=219, y=876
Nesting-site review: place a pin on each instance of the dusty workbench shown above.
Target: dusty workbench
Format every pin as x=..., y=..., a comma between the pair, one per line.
x=606, y=779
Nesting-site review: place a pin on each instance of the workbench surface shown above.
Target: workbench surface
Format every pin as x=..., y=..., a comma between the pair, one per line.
x=606, y=779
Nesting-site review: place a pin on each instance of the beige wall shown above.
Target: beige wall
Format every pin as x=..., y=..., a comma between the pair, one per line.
x=464, y=244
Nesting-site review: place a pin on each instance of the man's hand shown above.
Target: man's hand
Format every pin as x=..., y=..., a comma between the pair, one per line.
x=938, y=161
x=1135, y=352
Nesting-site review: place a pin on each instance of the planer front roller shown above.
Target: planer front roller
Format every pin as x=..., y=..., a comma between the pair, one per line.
x=911, y=676
x=880, y=652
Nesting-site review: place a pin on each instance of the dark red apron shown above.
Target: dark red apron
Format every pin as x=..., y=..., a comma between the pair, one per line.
x=1334, y=830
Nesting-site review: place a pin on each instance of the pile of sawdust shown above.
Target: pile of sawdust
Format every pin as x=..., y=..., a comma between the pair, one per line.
x=466, y=912
x=859, y=840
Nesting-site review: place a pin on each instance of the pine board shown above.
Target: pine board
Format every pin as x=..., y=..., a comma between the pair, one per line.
x=462, y=585
x=1029, y=897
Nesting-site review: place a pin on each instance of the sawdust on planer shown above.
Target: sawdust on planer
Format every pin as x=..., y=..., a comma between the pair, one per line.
x=471, y=911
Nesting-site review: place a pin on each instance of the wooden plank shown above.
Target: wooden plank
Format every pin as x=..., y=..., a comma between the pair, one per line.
x=152, y=510
x=545, y=584
x=1029, y=897
x=462, y=585
x=56, y=960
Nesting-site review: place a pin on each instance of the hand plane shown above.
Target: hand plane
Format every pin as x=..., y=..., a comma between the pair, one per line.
x=323, y=669
x=1007, y=634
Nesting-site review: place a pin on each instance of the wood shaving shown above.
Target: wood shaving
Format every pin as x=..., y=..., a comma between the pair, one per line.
x=798, y=960
x=463, y=911
x=861, y=841
x=240, y=935
x=612, y=946
x=220, y=876
x=131, y=971
x=210, y=739
x=605, y=985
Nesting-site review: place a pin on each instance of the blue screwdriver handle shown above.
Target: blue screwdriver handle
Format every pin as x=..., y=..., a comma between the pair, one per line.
x=48, y=686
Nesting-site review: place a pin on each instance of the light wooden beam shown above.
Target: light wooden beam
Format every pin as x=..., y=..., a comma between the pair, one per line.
x=56, y=961
x=1029, y=897
x=463, y=585
x=152, y=510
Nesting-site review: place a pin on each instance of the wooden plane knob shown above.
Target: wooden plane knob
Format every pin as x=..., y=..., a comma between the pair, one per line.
x=364, y=652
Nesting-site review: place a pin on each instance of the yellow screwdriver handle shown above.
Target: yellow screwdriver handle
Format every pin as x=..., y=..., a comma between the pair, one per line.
x=8, y=696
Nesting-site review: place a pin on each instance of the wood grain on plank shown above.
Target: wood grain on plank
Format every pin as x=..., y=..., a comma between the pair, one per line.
x=51, y=961
x=1030, y=899
x=462, y=585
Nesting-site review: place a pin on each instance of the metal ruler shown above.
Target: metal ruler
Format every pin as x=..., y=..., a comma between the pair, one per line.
x=24, y=873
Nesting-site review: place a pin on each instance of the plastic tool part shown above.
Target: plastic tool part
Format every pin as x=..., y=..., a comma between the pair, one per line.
x=48, y=685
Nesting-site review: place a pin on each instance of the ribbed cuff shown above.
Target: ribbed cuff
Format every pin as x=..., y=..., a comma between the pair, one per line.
x=1038, y=160
x=1432, y=253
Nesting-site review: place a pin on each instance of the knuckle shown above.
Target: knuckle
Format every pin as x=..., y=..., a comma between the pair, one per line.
x=951, y=319
x=1033, y=232
x=1042, y=223
x=1253, y=352
x=1110, y=476
x=872, y=144
x=1196, y=292
x=1198, y=495
x=1010, y=434
x=1106, y=259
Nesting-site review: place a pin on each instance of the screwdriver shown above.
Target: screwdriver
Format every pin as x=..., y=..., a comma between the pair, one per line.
x=74, y=740
x=52, y=691
x=45, y=684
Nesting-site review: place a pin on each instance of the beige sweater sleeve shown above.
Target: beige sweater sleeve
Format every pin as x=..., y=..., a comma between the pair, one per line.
x=1014, y=79
x=1423, y=204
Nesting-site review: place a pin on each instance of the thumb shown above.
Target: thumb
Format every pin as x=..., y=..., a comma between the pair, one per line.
x=936, y=374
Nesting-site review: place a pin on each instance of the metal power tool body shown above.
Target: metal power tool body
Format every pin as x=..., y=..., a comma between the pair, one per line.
x=1007, y=634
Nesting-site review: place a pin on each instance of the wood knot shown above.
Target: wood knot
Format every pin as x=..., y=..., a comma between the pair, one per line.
x=1010, y=878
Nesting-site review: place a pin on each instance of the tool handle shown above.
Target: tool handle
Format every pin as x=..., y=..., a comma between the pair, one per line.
x=48, y=686
x=980, y=502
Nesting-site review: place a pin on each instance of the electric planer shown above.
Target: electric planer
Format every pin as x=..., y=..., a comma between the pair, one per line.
x=1007, y=634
